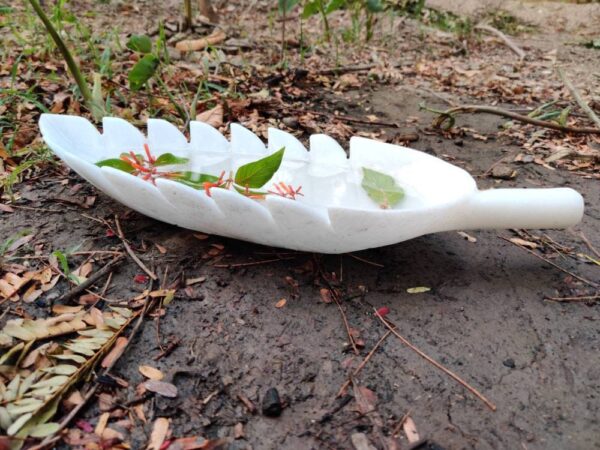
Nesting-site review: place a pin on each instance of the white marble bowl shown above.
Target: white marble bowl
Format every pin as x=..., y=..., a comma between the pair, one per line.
x=335, y=215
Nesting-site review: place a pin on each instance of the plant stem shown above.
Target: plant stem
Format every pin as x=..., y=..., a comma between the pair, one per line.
x=71, y=64
x=325, y=21
x=188, y=14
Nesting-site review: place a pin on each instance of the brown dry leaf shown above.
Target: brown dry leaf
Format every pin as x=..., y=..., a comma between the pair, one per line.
x=213, y=117
x=32, y=294
x=96, y=318
x=66, y=309
x=139, y=412
x=159, y=433
x=191, y=281
x=410, y=429
x=238, y=430
x=281, y=303
x=100, y=427
x=161, y=388
x=216, y=37
x=524, y=243
x=151, y=372
x=160, y=248
x=326, y=295
x=115, y=352
x=366, y=399
x=75, y=399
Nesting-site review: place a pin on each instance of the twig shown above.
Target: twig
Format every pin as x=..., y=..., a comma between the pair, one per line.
x=589, y=244
x=366, y=261
x=474, y=109
x=591, y=283
x=577, y=97
x=130, y=251
x=585, y=298
x=362, y=364
x=448, y=372
x=510, y=44
x=396, y=430
x=345, y=118
x=254, y=263
x=345, y=319
x=90, y=281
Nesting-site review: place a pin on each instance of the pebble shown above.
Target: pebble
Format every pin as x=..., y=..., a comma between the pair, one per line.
x=271, y=404
x=509, y=362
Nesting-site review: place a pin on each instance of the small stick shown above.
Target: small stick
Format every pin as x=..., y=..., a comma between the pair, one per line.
x=585, y=298
x=591, y=283
x=254, y=263
x=337, y=302
x=577, y=97
x=90, y=281
x=589, y=244
x=362, y=364
x=474, y=109
x=510, y=44
x=130, y=251
x=366, y=261
x=396, y=430
x=448, y=372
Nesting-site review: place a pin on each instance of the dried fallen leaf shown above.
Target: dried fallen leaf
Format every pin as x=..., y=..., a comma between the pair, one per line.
x=213, y=117
x=524, y=243
x=115, y=352
x=161, y=388
x=151, y=372
x=410, y=429
x=281, y=303
x=159, y=433
x=326, y=295
x=418, y=290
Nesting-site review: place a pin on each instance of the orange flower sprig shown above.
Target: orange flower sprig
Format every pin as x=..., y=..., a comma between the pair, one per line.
x=248, y=179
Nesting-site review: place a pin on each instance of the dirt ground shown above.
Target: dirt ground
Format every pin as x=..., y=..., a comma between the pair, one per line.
x=485, y=317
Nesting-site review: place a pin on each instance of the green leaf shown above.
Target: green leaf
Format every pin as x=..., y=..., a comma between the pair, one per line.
x=564, y=115
x=166, y=159
x=256, y=174
x=334, y=5
x=140, y=43
x=310, y=9
x=62, y=259
x=116, y=163
x=418, y=290
x=374, y=6
x=287, y=5
x=143, y=70
x=381, y=188
x=193, y=179
x=44, y=429
x=248, y=192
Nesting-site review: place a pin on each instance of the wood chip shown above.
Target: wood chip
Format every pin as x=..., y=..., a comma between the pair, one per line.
x=281, y=303
x=524, y=243
x=410, y=430
x=115, y=352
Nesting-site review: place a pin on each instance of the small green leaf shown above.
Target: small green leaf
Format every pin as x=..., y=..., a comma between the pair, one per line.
x=44, y=429
x=310, y=9
x=418, y=290
x=256, y=174
x=116, y=163
x=62, y=259
x=334, y=5
x=193, y=179
x=564, y=115
x=143, y=70
x=166, y=159
x=381, y=188
x=140, y=43
x=374, y=6
x=249, y=192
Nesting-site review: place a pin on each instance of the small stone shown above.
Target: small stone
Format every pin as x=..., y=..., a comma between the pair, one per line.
x=510, y=363
x=291, y=122
x=503, y=172
x=271, y=404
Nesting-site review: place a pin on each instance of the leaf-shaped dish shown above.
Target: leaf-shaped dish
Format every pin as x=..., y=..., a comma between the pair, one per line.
x=335, y=215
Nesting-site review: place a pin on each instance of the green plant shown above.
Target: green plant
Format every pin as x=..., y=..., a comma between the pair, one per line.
x=96, y=108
